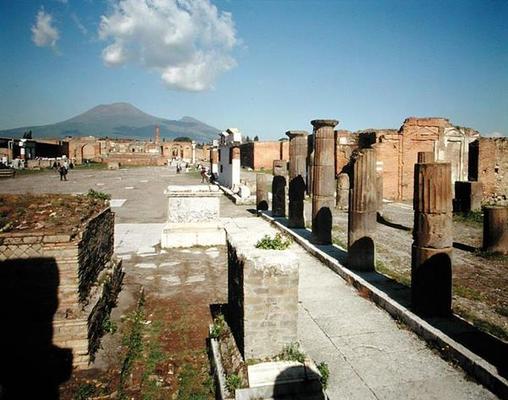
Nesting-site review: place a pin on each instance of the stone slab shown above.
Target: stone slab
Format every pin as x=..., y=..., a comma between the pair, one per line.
x=192, y=234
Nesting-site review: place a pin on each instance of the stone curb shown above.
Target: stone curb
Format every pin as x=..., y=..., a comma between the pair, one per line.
x=218, y=370
x=235, y=198
x=484, y=372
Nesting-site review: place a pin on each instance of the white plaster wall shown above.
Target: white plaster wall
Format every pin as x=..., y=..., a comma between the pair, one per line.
x=230, y=175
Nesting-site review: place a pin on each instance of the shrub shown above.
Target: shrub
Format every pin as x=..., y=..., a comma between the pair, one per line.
x=278, y=242
x=292, y=352
x=233, y=382
x=325, y=373
x=218, y=327
x=93, y=194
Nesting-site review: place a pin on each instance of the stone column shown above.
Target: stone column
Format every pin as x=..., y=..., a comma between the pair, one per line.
x=261, y=192
x=379, y=186
x=342, y=199
x=431, y=261
x=193, y=152
x=279, y=188
x=323, y=179
x=495, y=229
x=310, y=163
x=297, y=175
x=362, y=211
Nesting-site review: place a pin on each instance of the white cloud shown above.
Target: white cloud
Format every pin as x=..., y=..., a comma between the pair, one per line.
x=188, y=42
x=44, y=33
x=496, y=134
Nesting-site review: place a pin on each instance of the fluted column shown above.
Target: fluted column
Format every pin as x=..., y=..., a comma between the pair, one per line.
x=297, y=175
x=362, y=211
x=323, y=179
x=279, y=188
x=261, y=192
x=431, y=261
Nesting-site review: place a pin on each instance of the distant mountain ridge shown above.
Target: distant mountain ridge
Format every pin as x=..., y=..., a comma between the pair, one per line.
x=119, y=120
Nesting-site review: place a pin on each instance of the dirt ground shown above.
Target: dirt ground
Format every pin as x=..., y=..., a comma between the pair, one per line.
x=480, y=281
x=168, y=358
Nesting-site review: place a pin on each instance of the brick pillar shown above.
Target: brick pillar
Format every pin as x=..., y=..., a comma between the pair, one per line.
x=431, y=261
x=261, y=192
x=362, y=211
x=323, y=179
x=495, y=229
x=297, y=175
x=279, y=188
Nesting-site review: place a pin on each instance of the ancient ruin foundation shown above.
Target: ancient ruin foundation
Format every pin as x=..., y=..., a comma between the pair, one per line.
x=297, y=177
x=362, y=211
x=61, y=288
x=323, y=180
x=431, y=264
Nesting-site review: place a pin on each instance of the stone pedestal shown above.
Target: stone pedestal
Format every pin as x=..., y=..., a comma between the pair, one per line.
x=193, y=217
x=323, y=180
x=279, y=188
x=495, y=230
x=431, y=261
x=297, y=177
x=262, y=297
x=262, y=192
x=468, y=196
x=362, y=211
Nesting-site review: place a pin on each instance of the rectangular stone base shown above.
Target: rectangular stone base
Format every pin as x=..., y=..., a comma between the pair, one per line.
x=192, y=234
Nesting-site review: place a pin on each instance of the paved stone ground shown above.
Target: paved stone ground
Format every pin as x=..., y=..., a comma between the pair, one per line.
x=369, y=355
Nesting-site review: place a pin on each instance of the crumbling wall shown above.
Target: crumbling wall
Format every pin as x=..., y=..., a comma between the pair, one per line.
x=87, y=279
x=492, y=169
x=260, y=155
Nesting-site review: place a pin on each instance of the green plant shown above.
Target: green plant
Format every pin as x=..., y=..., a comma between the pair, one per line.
x=233, y=382
x=133, y=341
x=84, y=391
x=470, y=217
x=218, y=327
x=109, y=326
x=292, y=352
x=325, y=373
x=278, y=242
x=93, y=194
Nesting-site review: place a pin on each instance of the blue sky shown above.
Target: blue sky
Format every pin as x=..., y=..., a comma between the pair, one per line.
x=268, y=67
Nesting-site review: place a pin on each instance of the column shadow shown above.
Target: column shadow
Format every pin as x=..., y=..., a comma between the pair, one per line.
x=31, y=367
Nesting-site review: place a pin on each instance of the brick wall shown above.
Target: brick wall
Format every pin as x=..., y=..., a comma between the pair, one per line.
x=260, y=155
x=492, y=170
x=80, y=287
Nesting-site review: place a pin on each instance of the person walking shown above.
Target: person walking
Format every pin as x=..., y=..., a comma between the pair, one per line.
x=63, y=173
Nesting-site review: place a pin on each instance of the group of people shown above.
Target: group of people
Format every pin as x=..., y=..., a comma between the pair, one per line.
x=63, y=168
x=205, y=177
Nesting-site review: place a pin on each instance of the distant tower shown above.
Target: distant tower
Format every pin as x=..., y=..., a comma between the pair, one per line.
x=157, y=134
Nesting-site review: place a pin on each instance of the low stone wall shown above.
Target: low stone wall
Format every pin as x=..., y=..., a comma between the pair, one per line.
x=263, y=296
x=79, y=289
